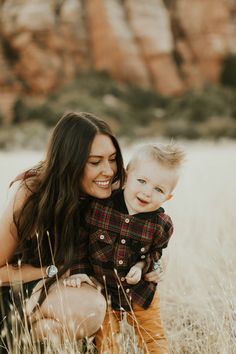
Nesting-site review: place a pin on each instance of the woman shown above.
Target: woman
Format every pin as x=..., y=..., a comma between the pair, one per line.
x=40, y=227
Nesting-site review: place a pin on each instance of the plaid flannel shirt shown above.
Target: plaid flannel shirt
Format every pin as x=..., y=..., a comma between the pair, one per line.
x=117, y=241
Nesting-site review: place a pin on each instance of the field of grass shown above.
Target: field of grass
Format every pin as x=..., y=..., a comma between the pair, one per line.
x=199, y=290
x=198, y=293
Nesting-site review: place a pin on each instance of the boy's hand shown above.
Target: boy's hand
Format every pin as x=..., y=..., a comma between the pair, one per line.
x=134, y=275
x=157, y=274
x=76, y=280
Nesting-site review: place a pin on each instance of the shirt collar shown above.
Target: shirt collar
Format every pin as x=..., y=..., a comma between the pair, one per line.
x=119, y=205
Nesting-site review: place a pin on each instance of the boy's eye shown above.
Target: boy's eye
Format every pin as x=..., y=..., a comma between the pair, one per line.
x=140, y=180
x=159, y=190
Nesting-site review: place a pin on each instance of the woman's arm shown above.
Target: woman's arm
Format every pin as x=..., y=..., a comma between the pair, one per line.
x=25, y=273
x=9, y=242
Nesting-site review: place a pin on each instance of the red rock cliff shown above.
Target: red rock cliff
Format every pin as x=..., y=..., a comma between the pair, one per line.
x=44, y=44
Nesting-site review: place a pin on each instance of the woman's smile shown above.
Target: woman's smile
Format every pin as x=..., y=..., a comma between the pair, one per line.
x=103, y=184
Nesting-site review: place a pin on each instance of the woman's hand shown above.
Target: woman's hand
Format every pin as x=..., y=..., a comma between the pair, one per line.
x=158, y=273
x=76, y=280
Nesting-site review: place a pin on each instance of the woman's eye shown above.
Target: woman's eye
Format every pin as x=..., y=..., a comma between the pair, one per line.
x=112, y=160
x=94, y=163
x=141, y=181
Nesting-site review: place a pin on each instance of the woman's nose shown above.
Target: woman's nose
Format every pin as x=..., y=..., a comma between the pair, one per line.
x=107, y=169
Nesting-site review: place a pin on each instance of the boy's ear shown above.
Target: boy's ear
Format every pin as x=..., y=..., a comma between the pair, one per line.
x=169, y=197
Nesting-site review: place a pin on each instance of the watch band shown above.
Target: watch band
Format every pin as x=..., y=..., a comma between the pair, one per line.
x=51, y=271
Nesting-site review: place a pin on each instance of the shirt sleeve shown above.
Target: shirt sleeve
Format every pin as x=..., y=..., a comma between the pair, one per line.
x=164, y=231
x=81, y=262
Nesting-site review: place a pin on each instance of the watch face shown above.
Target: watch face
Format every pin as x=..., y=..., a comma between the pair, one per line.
x=52, y=270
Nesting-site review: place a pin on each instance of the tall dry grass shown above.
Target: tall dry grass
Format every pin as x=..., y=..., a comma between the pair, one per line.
x=199, y=289
x=198, y=293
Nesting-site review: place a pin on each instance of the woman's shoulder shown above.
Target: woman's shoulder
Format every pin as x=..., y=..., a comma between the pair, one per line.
x=25, y=176
x=22, y=187
x=18, y=194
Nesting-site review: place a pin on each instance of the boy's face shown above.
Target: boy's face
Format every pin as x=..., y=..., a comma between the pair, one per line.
x=148, y=185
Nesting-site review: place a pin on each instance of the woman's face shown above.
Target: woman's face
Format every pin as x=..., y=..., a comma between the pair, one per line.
x=100, y=168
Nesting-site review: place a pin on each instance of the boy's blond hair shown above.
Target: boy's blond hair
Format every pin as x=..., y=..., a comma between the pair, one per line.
x=168, y=155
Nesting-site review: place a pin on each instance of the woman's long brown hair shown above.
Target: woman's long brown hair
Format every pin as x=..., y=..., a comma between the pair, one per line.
x=49, y=222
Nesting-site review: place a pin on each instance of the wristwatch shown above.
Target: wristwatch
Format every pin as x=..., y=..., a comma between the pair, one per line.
x=51, y=271
x=157, y=265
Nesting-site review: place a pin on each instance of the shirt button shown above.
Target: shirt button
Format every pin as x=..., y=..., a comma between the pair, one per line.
x=102, y=237
x=123, y=241
x=122, y=278
x=142, y=249
x=127, y=291
x=120, y=262
x=127, y=220
x=143, y=256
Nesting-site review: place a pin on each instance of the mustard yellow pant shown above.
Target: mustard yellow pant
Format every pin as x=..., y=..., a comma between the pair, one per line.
x=146, y=323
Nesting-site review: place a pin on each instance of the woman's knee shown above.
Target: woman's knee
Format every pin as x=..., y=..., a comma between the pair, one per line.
x=99, y=305
x=80, y=310
x=90, y=310
x=97, y=314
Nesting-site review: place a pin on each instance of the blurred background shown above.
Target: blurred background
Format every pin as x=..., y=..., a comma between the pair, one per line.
x=149, y=67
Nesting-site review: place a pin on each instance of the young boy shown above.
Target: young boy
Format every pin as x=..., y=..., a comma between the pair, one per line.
x=127, y=233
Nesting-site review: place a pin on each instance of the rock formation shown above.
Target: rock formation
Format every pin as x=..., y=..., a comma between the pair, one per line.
x=169, y=46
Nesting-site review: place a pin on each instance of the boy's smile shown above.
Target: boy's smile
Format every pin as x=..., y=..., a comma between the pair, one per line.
x=142, y=202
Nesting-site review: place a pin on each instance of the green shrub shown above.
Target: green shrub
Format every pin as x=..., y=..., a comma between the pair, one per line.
x=142, y=99
x=200, y=106
x=1, y=118
x=228, y=75
x=133, y=111
x=20, y=111
x=44, y=112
